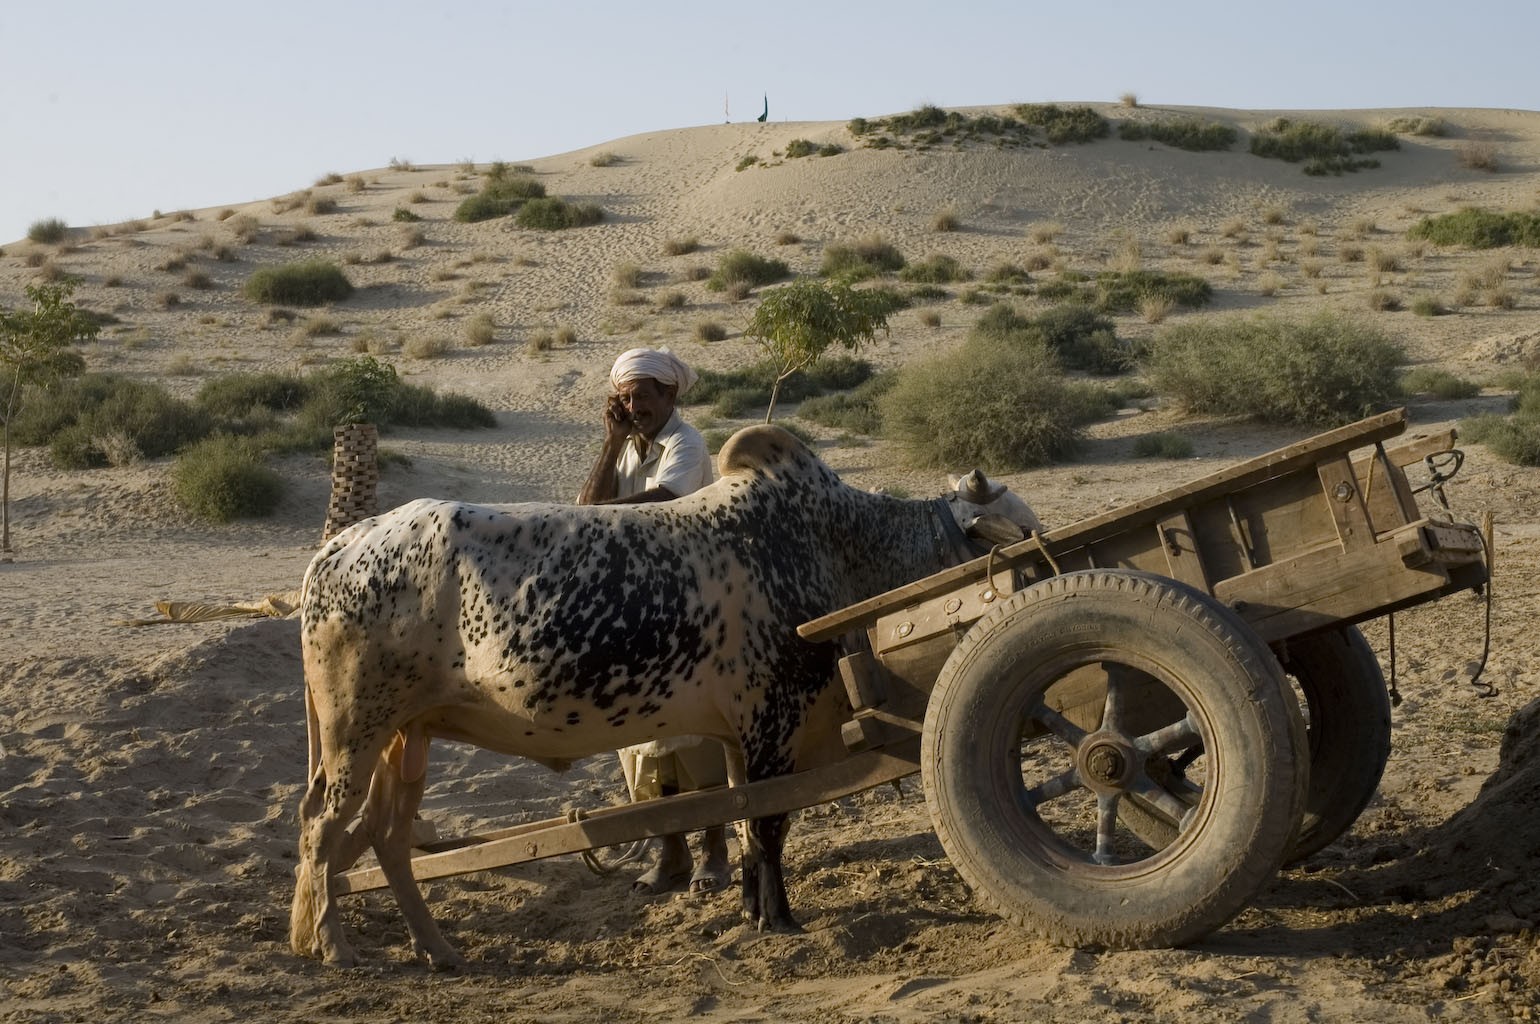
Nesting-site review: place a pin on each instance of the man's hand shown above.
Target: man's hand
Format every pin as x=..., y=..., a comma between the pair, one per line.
x=617, y=419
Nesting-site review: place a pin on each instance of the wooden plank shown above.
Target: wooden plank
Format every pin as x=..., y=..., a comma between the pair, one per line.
x=1290, y=459
x=1334, y=585
x=1180, y=543
x=688, y=812
x=1345, y=502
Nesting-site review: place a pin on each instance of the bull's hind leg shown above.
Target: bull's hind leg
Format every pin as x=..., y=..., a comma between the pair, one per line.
x=393, y=803
x=315, y=926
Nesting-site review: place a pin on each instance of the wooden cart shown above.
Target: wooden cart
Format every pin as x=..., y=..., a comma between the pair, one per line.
x=1125, y=726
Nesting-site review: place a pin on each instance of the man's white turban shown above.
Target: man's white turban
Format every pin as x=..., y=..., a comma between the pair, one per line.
x=658, y=363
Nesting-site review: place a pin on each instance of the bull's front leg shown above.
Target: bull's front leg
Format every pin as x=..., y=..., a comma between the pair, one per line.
x=764, y=885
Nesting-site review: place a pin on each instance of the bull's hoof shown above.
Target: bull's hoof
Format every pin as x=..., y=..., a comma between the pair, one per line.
x=779, y=925
x=446, y=962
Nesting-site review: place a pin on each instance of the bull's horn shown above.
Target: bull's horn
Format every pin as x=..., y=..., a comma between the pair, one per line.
x=975, y=487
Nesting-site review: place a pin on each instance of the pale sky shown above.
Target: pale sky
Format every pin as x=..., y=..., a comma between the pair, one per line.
x=111, y=109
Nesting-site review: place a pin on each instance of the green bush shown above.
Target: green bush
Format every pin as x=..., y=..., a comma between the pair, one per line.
x=743, y=267
x=48, y=232
x=1123, y=290
x=1326, y=148
x=1438, y=383
x=74, y=416
x=1417, y=126
x=799, y=148
x=236, y=392
x=557, y=214
x=306, y=283
x=401, y=213
x=989, y=404
x=854, y=410
x=863, y=258
x=483, y=206
x=1165, y=445
x=1513, y=438
x=223, y=478
x=1476, y=228
x=749, y=387
x=1078, y=337
x=1064, y=124
x=1181, y=133
x=1320, y=372
x=937, y=268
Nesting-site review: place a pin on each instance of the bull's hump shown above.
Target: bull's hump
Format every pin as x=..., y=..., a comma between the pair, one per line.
x=762, y=448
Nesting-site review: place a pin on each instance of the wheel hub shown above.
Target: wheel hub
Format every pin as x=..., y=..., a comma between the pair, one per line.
x=1106, y=762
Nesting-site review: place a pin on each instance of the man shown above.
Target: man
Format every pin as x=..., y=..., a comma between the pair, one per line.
x=650, y=454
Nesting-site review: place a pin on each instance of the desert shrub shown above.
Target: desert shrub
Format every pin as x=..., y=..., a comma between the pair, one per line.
x=1076, y=336
x=1323, y=371
x=1181, y=133
x=930, y=318
x=735, y=391
x=748, y=161
x=741, y=267
x=1064, y=124
x=627, y=274
x=1020, y=410
x=1164, y=444
x=223, y=478
x=49, y=231
x=479, y=330
x=1477, y=155
x=1006, y=273
x=800, y=148
x=1428, y=380
x=1429, y=305
x=71, y=417
x=710, y=330
x=830, y=149
x=1123, y=291
x=234, y=393
x=938, y=268
x=557, y=214
x=604, y=158
x=426, y=346
x=945, y=220
x=502, y=195
x=1324, y=148
x=787, y=238
x=862, y=258
x=854, y=410
x=306, y=283
x=1476, y=228
x=1417, y=126
x=681, y=246
x=404, y=215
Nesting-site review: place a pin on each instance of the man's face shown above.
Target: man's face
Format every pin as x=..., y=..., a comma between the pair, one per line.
x=649, y=403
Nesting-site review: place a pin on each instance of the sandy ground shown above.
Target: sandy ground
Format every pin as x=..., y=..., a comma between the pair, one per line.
x=150, y=776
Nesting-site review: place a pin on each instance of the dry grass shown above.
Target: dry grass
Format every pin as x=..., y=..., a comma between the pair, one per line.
x=1234, y=228
x=1310, y=268
x=1155, y=308
x=627, y=275
x=1212, y=255
x=681, y=246
x=1270, y=284
x=1274, y=215
x=929, y=318
x=1129, y=99
x=1382, y=260
x=479, y=330
x=1350, y=253
x=710, y=330
x=1046, y=232
x=426, y=346
x=604, y=158
x=945, y=220
x=1476, y=155
x=787, y=238
x=672, y=299
x=1361, y=227
x=1178, y=234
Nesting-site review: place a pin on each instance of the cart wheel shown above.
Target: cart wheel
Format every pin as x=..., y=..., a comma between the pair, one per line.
x=1347, y=708
x=1035, y=735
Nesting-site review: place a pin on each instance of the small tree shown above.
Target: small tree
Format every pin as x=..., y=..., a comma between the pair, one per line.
x=33, y=351
x=796, y=324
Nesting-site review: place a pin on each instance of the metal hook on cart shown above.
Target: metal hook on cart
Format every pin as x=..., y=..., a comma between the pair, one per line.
x=1442, y=466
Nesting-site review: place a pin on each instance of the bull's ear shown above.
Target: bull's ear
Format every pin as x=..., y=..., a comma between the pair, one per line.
x=993, y=529
x=954, y=481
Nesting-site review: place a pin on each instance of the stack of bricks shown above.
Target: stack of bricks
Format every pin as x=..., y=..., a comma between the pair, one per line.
x=355, y=477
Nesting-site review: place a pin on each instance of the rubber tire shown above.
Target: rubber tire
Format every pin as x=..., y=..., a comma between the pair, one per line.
x=1250, y=725
x=1348, y=731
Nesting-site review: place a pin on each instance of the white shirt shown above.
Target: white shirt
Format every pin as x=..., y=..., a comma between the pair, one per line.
x=676, y=459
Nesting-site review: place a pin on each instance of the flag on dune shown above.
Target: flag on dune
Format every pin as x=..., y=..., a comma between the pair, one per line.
x=766, y=115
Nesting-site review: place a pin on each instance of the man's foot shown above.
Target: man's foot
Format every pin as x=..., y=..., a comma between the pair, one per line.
x=670, y=871
x=713, y=872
